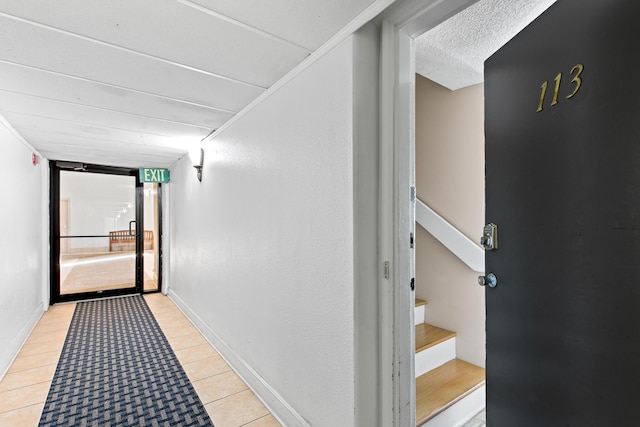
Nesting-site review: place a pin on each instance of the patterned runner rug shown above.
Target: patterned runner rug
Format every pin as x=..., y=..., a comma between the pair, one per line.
x=117, y=369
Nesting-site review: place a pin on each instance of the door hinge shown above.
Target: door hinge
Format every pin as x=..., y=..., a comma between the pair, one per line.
x=413, y=194
x=410, y=240
x=386, y=269
x=413, y=284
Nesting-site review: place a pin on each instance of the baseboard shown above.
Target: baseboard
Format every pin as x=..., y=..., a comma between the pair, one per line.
x=10, y=354
x=286, y=415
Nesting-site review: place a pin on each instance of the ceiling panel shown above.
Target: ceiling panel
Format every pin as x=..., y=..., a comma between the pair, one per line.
x=66, y=142
x=70, y=128
x=308, y=23
x=47, y=85
x=131, y=154
x=96, y=157
x=137, y=83
x=169, y=30
x=35, y=108
x=40, y=48
x=66, y=147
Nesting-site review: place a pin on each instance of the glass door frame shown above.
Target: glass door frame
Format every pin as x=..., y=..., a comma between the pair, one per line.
x=158, y=218
x=55, y=167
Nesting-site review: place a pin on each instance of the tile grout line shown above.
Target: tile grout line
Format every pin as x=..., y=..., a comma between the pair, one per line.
x=253, y=421
x=227, y=396
x=16, y=408
x=33, y=367
x=21, y=408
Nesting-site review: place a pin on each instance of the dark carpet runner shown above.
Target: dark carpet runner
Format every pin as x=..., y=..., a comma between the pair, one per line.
x=117, y=369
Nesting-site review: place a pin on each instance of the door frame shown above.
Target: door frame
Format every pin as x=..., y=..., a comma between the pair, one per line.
x=160, y=237
x=54, y=226
x=401, y=24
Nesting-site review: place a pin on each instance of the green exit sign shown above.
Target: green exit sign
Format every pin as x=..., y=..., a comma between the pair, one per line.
x=154, y=175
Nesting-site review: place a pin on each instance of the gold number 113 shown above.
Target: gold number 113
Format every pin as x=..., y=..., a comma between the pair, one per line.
x=577, y=81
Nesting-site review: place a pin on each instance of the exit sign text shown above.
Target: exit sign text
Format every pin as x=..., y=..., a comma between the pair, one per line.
x=154, y=175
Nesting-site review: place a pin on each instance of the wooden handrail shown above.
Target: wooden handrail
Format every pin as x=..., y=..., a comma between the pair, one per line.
x=118, y=237
x=453, y=239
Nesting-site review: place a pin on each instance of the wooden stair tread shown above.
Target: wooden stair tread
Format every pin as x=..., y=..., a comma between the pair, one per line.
x=429, y=335
x=442, y=387
x=420, y=302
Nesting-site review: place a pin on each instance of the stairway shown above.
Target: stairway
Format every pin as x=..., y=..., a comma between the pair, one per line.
x=449, y=391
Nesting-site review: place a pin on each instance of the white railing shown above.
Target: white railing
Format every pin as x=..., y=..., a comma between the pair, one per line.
x=464, y=248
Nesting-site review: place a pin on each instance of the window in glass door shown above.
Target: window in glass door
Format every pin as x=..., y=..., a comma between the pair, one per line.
x=97, y=232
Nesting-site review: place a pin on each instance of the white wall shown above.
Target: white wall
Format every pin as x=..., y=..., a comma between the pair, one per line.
x=450, y=180
x=21, y=251
x=262, y=250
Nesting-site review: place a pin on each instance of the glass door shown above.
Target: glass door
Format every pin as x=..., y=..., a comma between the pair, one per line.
x=102, y=243
x=98, y=232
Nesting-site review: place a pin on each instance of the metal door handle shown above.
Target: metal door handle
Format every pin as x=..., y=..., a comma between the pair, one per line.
x=131, y=233
x=489, y=280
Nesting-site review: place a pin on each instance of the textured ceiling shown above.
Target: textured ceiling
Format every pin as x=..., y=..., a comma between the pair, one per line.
x=137, y=83
x=453, y=53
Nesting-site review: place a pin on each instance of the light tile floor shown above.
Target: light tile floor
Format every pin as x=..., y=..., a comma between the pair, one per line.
x=228, y=400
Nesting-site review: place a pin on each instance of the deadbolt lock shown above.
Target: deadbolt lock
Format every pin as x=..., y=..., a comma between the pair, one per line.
x=489, y=239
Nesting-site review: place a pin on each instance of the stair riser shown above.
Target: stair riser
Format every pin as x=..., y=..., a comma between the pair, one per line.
x=462, y=411
x=435, y=356
x=418, y=314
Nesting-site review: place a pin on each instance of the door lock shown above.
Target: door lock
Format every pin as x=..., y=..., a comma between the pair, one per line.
x=489, y=239
x=489, y=280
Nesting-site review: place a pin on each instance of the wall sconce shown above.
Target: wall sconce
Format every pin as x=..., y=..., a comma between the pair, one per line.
x=198, y=166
